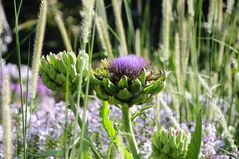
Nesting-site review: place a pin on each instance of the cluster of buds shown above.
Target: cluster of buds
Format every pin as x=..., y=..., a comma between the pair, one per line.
x=127, y=80
x=54, y=68
x=170, y=144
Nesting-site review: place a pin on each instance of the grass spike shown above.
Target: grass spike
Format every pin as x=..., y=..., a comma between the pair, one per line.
x=104, y=36
x=6, y=118
x=88, y=9
x=38, y=46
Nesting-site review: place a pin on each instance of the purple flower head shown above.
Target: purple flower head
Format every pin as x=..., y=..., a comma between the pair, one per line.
x=130, y=66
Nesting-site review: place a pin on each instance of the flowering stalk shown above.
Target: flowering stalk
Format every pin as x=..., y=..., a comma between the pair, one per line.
x=129, y=129
x=126, y=82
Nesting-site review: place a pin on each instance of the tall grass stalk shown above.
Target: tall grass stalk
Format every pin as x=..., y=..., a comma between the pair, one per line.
x=40, y=30
x=130, y=31
x=84, y=121
x=167, y=10
x=222, y=48
x=211, y=15
x=230, y=5
x=17, y=13
x=220, y=14
x=101, y=10
x=6, y=118
x=137, y=42
x=76, y=106
x=164, y=106
x=221, y=119
x=190, y=4
x=88, y=10
x=178, y=72
x=62, y=28
x=1, y=30
x=86, y=28
x=104, y=36
x=120, y=28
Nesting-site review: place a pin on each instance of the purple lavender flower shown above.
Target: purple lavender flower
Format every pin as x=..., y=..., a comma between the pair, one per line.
x=130, y=65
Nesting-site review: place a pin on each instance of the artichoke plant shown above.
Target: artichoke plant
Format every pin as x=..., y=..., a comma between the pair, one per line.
x=170, y=144
x=54, y=68
x=127, y=80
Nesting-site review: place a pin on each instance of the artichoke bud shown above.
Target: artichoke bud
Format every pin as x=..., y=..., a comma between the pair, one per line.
x=127, y=81
x=53, y=70
x=165, y=143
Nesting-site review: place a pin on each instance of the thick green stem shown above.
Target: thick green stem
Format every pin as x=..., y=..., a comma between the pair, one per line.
x=129, y=130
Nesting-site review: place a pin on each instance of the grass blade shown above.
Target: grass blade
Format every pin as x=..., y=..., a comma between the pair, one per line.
x=195, y=144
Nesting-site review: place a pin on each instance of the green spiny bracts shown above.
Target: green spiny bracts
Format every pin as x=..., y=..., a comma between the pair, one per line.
x=53, y=70
x=170, y=144
x=127, y=80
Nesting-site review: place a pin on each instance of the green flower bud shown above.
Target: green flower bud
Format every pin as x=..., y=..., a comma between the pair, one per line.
x=53, y=70
x=169, y=144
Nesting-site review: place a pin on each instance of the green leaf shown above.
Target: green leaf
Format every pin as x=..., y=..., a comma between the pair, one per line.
x=195, y=144
x=140, y=99
x=100, y=92
x=45, y=154
x=113, y=135
x=105, y=121
x=140, y=112
x=127, y=155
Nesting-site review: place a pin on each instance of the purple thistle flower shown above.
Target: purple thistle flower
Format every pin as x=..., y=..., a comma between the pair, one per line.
x=130, y=66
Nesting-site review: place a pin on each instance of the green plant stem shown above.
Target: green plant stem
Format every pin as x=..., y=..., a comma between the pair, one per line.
x=129, y=130
x=17, y=12
x=80, y=123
